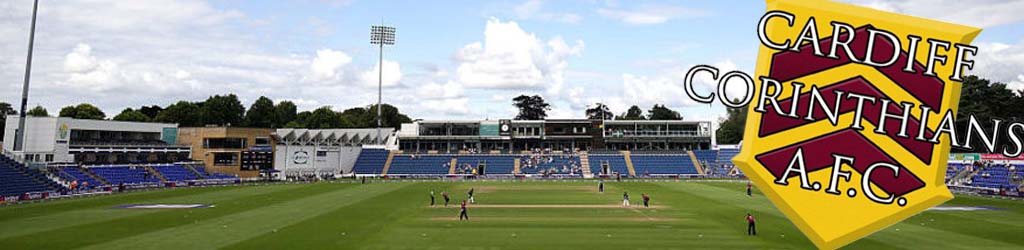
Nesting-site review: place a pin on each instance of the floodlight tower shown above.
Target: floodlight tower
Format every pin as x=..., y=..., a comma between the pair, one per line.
x=381, y=35
x=19, y=135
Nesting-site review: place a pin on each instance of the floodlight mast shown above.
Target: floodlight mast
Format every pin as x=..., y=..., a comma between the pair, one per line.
x=381, y=35
x=19, y=135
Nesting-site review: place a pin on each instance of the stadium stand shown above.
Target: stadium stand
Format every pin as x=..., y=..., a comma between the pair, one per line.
x=206, y=175
x=175, y=172
x=554, y=163
x=410, y=164
x=371, y=161
x=661, y=164
x=616, y=163
x=725, y=156
x=953, y=169
x=995, y=176
x=116, y=175
x=74, y=173
x=16, y=179
x=708, y=158
x=496, y=164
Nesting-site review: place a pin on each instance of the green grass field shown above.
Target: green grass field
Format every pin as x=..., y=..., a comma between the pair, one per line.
x=533, y=215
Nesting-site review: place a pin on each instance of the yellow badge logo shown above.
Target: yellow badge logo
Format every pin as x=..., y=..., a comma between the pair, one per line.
x=845, y=133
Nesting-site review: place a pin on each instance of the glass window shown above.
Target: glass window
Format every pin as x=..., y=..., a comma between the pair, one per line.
x=262, y=141
x=225, y=159
x=230, y=143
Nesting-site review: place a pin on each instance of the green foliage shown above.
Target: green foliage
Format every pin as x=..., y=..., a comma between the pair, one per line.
x=130, y=115
x=38, y=111
x=222, y=110
x=599, y=112
x=284, y=112
x=184, y=113
x=83, y=111
x=325, y=117
x=531, y=107
x=151, y=111
x=261, y=114
x=5, y=110
x=660, y=112
x=633, y=113
x=730, y=129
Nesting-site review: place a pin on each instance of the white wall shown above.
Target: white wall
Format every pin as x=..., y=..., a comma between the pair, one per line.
x=291, y=159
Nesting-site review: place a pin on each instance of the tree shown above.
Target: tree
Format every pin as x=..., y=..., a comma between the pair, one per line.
x=634, y=113
x=300, y=120
x=261, y=114
x=531, y=107
x=285, y=113
x=185, y=114
x=599, y=112
x=130, y=115
x=323, y=118
x=151, y=111
x=83, y=111
x=38, y=111
x=222, y=110
x=390, y=117
x=986, y=101
x=730, y=129
x=660, y=112
x=5, y=110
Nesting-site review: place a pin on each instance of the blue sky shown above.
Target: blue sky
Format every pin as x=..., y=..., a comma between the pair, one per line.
x=452, y=60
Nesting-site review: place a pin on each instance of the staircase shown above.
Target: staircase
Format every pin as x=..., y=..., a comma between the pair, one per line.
x=451, y=166
x=17, y=168
x=152, y=171
x=629, y=163
x=194, y=171
x=94, y=176
x=387, y=163
x=515, y=165
x=584, y=165
x=696, y=163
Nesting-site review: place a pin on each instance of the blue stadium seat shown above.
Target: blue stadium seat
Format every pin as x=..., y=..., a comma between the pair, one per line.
x=175, y=172
x=616, y=163
x=661, y=164
x=16, y=179
x=371, y=161
x=116, y=175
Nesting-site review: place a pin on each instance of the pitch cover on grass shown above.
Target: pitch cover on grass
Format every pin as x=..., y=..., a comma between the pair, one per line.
x=838, y=135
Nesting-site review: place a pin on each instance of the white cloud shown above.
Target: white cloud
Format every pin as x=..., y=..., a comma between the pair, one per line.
x=979, y=13
x=999, y=62
x=511, y=58
x=434, y=90
x=1017, y=84
x=392, y=75
x=647, y=91
x=328, y=64
x=533, y=9
x=652, y=14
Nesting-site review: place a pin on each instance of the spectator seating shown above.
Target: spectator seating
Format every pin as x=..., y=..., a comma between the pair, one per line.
x=206, y=175
x=496, y=164
x=616, y=163
x=175, y=172
x=993, y=177
x=371, y=161
x=661, y=164
x=725, y=156
x=422, y=164
x=71, y=173
x=557, y=162
x=953, y=169
x=16, y=179
x=115, y=175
